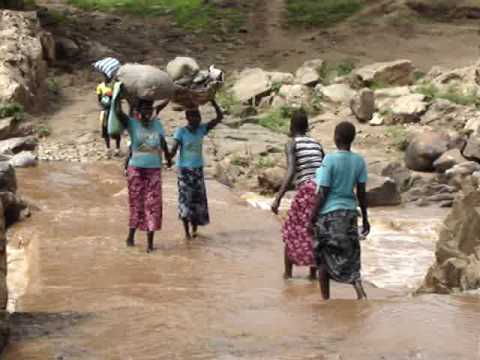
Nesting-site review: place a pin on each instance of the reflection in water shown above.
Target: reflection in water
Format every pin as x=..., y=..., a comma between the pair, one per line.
x=219, y=297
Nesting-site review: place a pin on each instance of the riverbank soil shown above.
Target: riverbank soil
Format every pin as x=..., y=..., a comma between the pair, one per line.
x=220, y=296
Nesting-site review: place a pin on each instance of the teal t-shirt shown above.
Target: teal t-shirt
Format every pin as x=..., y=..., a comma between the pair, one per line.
x=146, y=143
x=341, y=171
x=191, y=146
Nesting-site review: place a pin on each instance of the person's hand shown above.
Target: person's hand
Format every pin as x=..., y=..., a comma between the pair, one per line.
x=365, y=228
x=275, y=206
x=169, y=163
x=125, y=172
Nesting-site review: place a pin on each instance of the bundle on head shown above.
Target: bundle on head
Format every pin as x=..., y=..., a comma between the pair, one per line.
x=145, y=82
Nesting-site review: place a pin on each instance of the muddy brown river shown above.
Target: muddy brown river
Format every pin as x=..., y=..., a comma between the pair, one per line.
x=87, y=296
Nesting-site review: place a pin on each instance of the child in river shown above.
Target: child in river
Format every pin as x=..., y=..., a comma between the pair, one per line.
x=192, y=193
x=304, y=156
x=334, y=218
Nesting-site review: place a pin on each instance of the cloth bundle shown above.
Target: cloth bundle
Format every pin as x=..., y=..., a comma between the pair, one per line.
x=145, y=82
x=194, y=87
x=108, y=66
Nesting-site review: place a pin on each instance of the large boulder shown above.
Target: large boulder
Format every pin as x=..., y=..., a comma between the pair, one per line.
x=446, y=114
x=462, y=80
x=382, y=191
x=394, y=170
x=309, y=73
x=292, y=95
x=424, y=149
x=8, y=178
x=19, y=144
x=472, y=150
x=336, y=93
x=457, y=255
x=363, y=105
x=24, y=159
x=395, y=73
x=270, y=180
x=23, y=69
x=448, y=160
x=408, y=108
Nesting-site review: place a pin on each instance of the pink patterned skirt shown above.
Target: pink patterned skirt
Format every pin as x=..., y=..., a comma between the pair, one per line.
x=298, y=243
x=145, y=198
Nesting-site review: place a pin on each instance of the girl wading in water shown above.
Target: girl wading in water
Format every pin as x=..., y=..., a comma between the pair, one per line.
x=144, y=170
x=192, y=193
x=304, y=156
x=334, y=218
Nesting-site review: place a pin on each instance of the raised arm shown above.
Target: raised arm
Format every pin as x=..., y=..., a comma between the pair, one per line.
x=212, y=123
x=362, y=200
x=161, y=106
x=287, y=181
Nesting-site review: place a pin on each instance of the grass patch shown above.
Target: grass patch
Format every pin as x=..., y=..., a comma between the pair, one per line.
x=230, y=104
x=265, y=163
x=329, y=72
x=238, y=160
x=452, y=94
x=277, y=120
x=321, y=12
x=399, y=136
x=188, y=14
x=53, y=86
x=43, y=131
x=12, y=109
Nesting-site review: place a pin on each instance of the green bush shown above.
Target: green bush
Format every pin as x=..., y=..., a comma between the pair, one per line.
x=11, y=109
x=277, y=120
x=229, y=102
x=399, y=136
x=328, y=72
x=321, y=12
x=452, y=94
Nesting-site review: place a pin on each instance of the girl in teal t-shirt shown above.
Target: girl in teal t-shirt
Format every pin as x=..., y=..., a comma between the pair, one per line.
x=192, y=193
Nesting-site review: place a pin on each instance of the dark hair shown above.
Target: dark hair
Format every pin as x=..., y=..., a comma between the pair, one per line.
x=142, y=104
x=299, y=122
x=345, y=133
x=192, y=112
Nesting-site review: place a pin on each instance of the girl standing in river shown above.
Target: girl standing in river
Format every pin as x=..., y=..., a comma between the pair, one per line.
x=304, y=156
x=192, y=193
x=334, y=218
x=144, y=170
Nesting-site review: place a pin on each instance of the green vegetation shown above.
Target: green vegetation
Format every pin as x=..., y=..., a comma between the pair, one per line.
x=229, y=102
x=377, y=85
x=53, y=86
x=277, y=120
x=321, y=12
x=264, y=162
x=328, y=72
x=452, y=94
x=399, y=136
x=238, y=160
x=189, y=14
x=11, y=109
x=43, y=131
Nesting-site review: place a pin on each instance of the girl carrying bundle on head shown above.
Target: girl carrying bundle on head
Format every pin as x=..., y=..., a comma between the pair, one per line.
x=192, y=193
x=304, y=157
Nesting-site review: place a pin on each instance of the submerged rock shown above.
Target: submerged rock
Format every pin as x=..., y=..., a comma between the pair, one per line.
x=424, y=149
x=382, y=191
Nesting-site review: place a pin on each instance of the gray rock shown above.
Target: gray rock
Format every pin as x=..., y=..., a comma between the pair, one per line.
x=408, y=108
x=16, y=145
x=363, y=105
x=251, y=83
x=309, y=74
x=271, y=180
x=443, y=113
x=424, y=149
x=8, y=178
x=472, y=150
x=448, y=160
x=24, y=159
x=336, y=93
x=400, y=72
x=292, y=95
x=377, y=120
x=382, y=191
x=66, y=48
x=7, y=127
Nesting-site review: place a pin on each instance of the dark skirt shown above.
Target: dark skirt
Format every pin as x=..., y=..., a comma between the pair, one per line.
x=337, y=245
x=192, y=196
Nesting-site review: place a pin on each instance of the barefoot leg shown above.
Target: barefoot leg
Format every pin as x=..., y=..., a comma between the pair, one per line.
x=194, y=230
x=288, y=265
x=131, y=237
x=324, y=280
x=150, y=236
x=361, y=294
x=313, y=273
x=186, y=227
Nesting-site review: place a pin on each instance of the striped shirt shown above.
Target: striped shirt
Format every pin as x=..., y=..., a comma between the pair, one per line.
x=308, y=158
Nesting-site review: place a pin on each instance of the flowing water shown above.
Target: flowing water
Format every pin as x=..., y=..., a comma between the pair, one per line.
x=220, y=296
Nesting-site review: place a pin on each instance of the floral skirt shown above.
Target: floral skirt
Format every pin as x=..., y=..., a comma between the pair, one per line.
x=298, y=243
x=145, y=198
x=192, y=196
x=337, y=245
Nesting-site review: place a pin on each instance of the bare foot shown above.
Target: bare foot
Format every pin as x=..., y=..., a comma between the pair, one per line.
x=130, y=242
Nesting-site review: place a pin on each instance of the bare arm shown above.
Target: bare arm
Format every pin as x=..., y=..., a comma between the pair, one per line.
x=362, y=200
x=174, y=149
x=164, y=147
x=212, y=123
x=287, y=181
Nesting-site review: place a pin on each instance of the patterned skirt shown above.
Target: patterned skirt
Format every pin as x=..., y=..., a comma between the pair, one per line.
x=145, y=198
x=337, y=245
x=298, y=243
x=192, y=196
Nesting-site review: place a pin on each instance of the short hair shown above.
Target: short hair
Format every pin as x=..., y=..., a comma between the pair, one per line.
x=345, y=132
x=192, y=112
x=299, y=121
